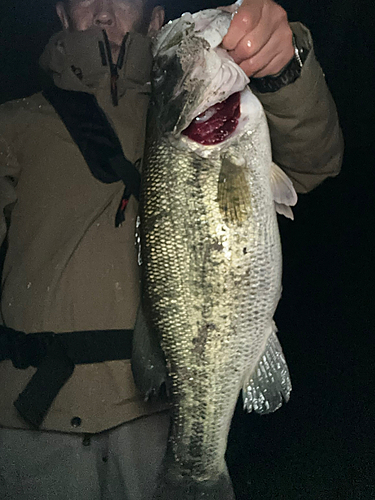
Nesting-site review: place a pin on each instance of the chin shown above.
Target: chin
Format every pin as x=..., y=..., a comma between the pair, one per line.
x=115, y=49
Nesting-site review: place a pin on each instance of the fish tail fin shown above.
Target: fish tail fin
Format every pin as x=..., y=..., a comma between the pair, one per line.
x=269, y=383
x=187, y=488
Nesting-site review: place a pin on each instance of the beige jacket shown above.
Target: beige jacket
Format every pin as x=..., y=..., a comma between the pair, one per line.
x=67, y=267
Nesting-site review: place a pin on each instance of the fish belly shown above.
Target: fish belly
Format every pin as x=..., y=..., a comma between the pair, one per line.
x=210, y=290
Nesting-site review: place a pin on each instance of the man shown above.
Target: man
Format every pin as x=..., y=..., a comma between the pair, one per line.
x=71, y=264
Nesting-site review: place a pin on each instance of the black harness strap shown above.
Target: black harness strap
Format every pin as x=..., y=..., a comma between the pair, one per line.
x=55, y=356
x=91, y=131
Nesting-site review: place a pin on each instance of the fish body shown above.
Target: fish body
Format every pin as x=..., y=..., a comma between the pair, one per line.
x=211, y=253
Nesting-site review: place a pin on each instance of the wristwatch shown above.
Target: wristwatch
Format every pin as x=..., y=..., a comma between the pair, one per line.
x=287, y=75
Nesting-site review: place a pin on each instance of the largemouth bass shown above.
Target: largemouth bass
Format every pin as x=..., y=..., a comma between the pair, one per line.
x=210, y=249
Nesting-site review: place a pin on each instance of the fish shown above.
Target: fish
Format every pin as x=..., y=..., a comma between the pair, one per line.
x=210, y=251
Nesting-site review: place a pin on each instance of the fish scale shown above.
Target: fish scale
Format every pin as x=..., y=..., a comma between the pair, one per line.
x=198, y=284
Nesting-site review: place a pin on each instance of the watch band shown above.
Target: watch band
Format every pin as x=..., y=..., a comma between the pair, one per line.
x=287, y=75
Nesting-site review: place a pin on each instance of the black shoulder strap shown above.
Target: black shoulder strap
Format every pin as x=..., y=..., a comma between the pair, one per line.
x=95, y=137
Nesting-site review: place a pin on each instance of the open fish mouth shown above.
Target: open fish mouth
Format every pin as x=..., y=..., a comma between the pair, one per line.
x=221, y=123
x=217, y=123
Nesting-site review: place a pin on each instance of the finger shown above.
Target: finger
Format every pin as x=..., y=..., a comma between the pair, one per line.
x=251, y=44
x=244, y=21
x=274, y=67
x=279, y=46
x=275, y=26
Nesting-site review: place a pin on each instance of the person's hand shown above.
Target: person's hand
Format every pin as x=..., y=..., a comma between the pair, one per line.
x=259, y=38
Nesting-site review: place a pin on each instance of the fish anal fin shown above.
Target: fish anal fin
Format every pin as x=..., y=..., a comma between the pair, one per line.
x=233, y=190
x=268, y=385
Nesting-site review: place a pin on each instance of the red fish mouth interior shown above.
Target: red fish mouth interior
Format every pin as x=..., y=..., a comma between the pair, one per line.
x=217, y=123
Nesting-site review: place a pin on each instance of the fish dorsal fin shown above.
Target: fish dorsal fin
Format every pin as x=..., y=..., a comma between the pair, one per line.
x=283, y=192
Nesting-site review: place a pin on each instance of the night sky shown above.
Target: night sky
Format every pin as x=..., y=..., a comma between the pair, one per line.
x=321, y=444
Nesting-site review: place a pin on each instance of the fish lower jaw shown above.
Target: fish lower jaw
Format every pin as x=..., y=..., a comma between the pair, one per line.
x=181, y=462
x=180, y=474
x=185, y=487
x=178, y=470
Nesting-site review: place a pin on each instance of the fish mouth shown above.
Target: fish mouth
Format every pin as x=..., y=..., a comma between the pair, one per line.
x=217, y=123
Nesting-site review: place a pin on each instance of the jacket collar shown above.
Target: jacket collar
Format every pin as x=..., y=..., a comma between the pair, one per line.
x=78, y=61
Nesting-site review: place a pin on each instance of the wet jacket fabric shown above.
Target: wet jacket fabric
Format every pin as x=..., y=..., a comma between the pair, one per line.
x=67, y=267
x=305, y=133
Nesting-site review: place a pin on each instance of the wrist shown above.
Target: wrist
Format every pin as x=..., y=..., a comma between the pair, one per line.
x=288, y=75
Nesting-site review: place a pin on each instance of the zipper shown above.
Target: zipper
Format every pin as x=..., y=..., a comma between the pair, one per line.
x=106, y=55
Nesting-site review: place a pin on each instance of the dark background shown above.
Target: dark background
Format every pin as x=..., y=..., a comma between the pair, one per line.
x=321, y=444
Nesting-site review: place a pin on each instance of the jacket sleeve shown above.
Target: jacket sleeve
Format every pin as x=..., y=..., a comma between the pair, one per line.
x=305, y=132
x=9, y=170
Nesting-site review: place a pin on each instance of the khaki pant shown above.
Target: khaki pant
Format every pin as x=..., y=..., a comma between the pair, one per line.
x=121, y=463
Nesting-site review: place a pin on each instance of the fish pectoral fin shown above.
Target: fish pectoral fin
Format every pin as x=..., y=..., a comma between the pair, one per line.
x=265, y=388
x=284, y=210
x=233, y=193
x=148, y=362
x=283, y=192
